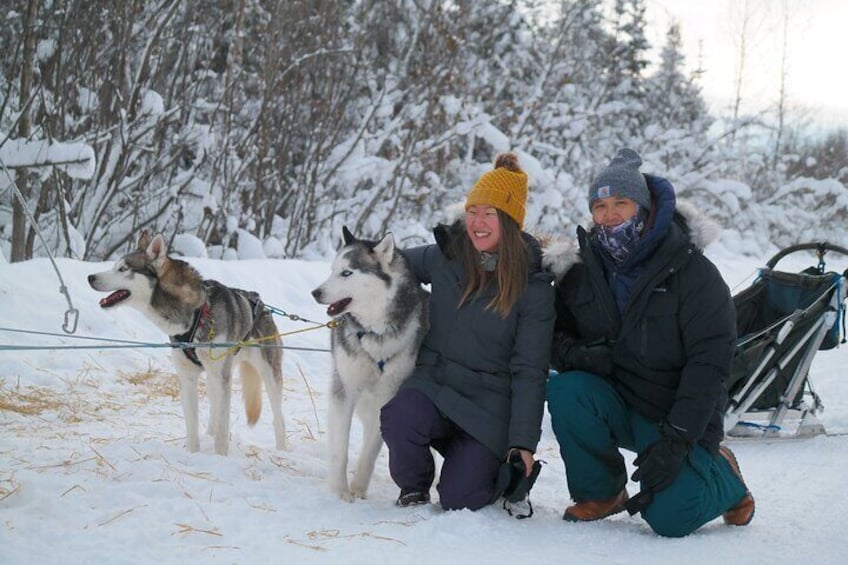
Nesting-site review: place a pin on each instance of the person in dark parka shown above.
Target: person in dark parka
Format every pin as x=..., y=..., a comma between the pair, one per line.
x=644, y=338
x=478, y=388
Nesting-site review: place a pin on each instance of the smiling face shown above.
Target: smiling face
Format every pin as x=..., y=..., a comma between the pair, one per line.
x=613, y=211
x=483, y=227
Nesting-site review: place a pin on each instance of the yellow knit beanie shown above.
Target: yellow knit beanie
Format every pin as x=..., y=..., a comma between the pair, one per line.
x=504, y=188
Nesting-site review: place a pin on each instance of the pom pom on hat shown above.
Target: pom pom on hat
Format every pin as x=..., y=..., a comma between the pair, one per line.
x=504, y=188
x=622, y=178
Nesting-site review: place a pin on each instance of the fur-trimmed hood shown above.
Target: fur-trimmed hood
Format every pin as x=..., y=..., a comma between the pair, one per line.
x=559, y=255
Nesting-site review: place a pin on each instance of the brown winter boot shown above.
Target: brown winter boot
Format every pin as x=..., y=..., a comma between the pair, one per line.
x=743, y=512
x=596, y=509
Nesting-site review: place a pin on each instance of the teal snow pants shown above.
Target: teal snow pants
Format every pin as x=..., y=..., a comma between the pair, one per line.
x=591, y=422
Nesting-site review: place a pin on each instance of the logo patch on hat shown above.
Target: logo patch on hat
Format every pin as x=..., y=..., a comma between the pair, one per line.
x=604, y=191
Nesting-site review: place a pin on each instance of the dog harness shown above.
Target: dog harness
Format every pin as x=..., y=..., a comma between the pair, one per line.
x=200, y=316
x=203, y=316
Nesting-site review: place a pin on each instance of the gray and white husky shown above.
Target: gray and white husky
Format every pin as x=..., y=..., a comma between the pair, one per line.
x=383, y=313
x=173, y=296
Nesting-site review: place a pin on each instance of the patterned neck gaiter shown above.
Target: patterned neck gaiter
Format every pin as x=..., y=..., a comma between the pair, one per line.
x=488, y=260
x=619, y=241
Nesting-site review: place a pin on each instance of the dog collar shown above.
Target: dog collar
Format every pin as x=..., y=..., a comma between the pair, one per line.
x=381, y=362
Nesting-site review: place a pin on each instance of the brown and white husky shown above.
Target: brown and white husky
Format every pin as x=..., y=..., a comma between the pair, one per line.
x=190, y=310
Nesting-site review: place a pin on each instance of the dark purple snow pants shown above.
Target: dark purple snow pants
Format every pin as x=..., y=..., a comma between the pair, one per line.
x=411, y=424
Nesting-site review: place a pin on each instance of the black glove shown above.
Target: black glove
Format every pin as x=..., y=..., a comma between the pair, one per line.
x=659, y=464
x=512, y=481
x=594, y=357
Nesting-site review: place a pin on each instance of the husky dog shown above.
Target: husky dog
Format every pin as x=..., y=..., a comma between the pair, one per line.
x=383, y=313
x=191, y=310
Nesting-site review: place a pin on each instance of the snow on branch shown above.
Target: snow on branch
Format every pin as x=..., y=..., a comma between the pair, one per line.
x=77, y=160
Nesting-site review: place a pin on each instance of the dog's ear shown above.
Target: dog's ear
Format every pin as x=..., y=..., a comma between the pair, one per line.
x=385, y=248
x=143, y=240
x=347, y=237
x=157, y=251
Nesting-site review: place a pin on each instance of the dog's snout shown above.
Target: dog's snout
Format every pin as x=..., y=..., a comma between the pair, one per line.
x=316, y=294
x=91, y=279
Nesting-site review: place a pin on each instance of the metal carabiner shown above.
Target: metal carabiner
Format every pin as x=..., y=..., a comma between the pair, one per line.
x=71, y=312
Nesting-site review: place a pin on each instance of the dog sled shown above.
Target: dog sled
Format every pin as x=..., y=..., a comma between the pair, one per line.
x=782, y=320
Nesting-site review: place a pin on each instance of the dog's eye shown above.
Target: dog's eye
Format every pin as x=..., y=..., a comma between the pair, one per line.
x=123, y=268
x=347, y=273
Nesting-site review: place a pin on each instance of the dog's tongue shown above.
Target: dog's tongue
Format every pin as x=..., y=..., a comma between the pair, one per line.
x=114, y=298
x=337, y=308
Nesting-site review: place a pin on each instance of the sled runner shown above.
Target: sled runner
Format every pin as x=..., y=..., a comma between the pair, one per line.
x=782, y=320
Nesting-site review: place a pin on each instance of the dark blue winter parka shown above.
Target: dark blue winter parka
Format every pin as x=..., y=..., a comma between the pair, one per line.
x=666, y=312
x=484, y=372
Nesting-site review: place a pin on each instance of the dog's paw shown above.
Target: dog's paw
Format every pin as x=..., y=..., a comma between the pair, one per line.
x=356, y=492
x=344, y=494
x=340, y=489
x=358, y=486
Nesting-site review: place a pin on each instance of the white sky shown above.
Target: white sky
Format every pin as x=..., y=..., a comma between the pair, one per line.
x=816, y=81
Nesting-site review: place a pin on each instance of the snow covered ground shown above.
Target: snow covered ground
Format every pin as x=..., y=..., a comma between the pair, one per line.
x=93, y=468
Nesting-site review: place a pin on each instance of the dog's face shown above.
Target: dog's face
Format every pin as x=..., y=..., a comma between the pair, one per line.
x=134, y=276
x=360, y=276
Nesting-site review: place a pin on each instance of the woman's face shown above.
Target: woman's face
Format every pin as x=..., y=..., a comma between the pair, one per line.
x=613, y=211
x=483, y=227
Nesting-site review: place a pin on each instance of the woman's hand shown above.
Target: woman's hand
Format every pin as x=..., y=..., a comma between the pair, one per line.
x=527, y=458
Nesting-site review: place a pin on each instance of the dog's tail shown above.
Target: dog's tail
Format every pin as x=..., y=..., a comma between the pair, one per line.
x=251, y=391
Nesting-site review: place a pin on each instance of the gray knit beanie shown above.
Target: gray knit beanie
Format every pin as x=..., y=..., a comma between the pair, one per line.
x=622, y=178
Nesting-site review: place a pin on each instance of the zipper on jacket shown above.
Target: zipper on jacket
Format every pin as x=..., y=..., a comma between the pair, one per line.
x=603, y=290
x=599, y=283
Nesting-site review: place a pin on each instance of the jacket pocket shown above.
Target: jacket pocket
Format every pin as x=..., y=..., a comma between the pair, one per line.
x=471, y=383
x=660, y=343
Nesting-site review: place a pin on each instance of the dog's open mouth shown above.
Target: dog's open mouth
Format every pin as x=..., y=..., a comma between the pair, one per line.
x=114, y=298
x=338, y=307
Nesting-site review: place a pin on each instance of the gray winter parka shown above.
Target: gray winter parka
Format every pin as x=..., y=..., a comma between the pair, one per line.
x=485, y=373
